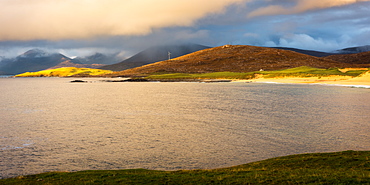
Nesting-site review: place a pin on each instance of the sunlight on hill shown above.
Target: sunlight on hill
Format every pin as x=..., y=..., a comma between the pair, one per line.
x=65, y=71
x=236, y=58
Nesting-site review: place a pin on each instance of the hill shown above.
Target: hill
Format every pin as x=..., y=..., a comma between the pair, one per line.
x=65, y=72
x=154, y=54
x=359, y=59
x=234, y=58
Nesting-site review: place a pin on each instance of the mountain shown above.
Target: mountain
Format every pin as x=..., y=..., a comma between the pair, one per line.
x=34, y=53
x=155, y=54
x=307, y=52
x=37, y=60
x=234, y=58
x=360, y=59
x=69, y=63
x=353, y=50
x=4, y=61
x=98, y=58
x=32, y=60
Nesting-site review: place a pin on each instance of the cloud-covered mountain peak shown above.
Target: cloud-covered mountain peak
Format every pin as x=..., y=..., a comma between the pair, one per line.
x=35, y=53
x=353, y=50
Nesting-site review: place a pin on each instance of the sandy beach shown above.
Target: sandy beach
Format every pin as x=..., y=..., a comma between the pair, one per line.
x=361, y=81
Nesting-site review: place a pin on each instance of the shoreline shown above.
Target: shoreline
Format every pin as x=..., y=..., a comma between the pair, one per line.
x=345, y=167
x=324, y=84
x=346, y=81
x=307, y=81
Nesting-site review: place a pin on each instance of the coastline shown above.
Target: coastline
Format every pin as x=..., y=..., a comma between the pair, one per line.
x=363, y=81
x=346, y=167
x=331, y=81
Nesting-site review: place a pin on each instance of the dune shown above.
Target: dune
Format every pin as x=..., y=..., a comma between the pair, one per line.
x=361, y=81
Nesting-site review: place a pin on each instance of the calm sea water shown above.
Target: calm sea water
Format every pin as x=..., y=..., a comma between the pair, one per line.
x=49, y=124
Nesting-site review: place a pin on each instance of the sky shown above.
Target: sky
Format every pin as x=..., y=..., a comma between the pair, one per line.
x=83, y=27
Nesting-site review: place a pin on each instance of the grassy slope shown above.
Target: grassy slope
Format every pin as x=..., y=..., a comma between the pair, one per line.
x=65, y=71
x=234, y=58
x=362, y=58
x=349, y=167
x=303, y=71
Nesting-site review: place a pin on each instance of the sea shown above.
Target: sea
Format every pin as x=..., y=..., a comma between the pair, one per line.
x=51, y=124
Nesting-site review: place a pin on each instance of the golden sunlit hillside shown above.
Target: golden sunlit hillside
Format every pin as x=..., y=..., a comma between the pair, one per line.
x=234, y=58
x=65, y=72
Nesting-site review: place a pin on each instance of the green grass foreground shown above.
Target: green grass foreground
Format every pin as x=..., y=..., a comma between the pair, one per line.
x=348, y=167
x=302, y=71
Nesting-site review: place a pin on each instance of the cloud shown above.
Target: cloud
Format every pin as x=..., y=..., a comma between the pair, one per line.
x=86, y=26
x=301, y=6
x=71, y=19
x=250, y=35
x=304, y=41
x=126, y=45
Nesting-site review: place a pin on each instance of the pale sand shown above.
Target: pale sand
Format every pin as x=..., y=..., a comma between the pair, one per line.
x=362, y=81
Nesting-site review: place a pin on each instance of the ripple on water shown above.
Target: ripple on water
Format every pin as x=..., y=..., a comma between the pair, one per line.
x=49, y=124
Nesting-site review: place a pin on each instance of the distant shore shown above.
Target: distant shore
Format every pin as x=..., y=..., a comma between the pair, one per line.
x=353, y=77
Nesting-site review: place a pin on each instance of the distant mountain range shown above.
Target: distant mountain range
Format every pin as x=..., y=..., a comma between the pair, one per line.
x=237, y=58
x=307, y=52
x=98, y=58
x=37, y=60
x=32, y=60
x=353, y=50
x=155, y=54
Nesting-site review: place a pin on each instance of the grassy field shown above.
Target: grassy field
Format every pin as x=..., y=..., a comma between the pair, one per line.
x=65, y=72
x=305, y=71
x=216, y=75
x=348, y=167
x=293, y=72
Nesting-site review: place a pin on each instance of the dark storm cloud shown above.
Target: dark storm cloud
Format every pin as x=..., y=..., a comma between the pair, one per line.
x=323, y=25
